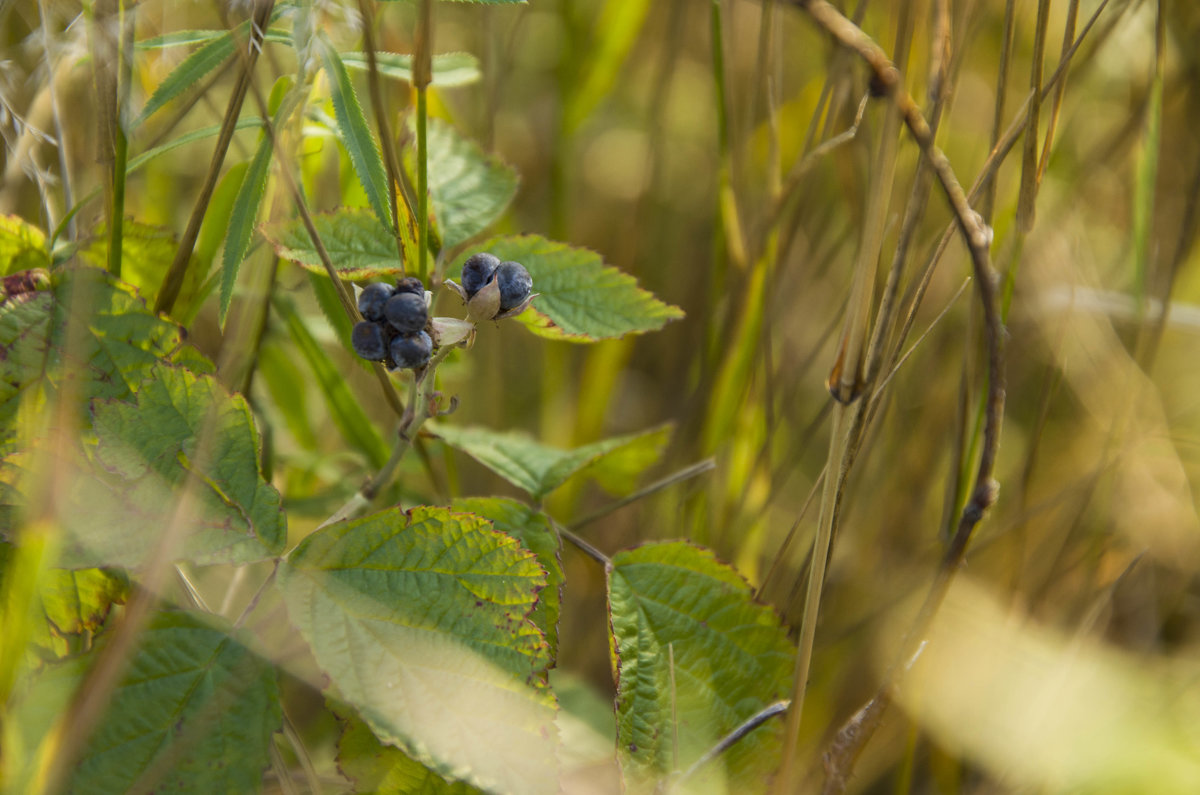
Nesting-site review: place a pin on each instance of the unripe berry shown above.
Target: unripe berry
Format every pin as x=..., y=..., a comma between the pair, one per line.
x=410, y=351
x=372, y=299
x=515, y=284
x=368, y=341
x=478, y=271
x=406, y=312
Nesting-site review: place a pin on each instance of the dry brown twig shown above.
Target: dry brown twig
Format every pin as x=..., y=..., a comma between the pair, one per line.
x=886, y=81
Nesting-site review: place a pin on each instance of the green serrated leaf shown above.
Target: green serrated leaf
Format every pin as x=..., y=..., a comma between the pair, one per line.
x=75, y=603
x=194, y=712
x=356, y=135
x=242, y=219
x=580, y=298
x=87, y=328
x=731, y=658
x=182, y=454
x=359, y=247
x=347, y=414
x=420, y=620
x=375, y=767
x=194, y=68
x=22, y=246
x=450, y=70
x=527, y=463
x=469, y=189
x=532, y=528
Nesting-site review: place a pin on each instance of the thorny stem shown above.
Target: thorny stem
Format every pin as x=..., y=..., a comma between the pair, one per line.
x=887, y=78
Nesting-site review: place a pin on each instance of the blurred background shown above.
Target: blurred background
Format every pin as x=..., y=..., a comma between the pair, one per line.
x=726, y=155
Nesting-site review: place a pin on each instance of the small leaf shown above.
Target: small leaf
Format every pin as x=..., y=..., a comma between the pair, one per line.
x=420, y=622
x=526, y=463
x=469, y=189
x=241, y=221
x=450, y=70
x=375, y=767
x=732, y=658
x=356, y=135
x=183, y=37
x=347, y=414
x=619, y=471
x=113, y=343
x=194, y=68
x=358, y=245
x=22, y=246
x=183, y=453
x=581, y=299
x=76, y=603
x=532, y=528
x=194, y=712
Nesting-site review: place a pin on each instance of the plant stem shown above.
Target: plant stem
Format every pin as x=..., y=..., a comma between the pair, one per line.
x=173, y=281
x=699, y=468
x=386, y=143
x=422, y=77
x=125, y=16
x=420, y=404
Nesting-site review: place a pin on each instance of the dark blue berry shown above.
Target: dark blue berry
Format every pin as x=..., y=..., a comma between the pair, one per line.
x=410, y=284
x=368, y=341
x=410, y=351
x=372, y=299
x=515, y=284
x=478, y=271
x=406, y=312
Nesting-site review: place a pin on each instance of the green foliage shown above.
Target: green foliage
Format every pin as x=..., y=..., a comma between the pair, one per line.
x=113, y=345
x=193, y=712
x=580, y=299
x=242, y=218
x=534, y=531
x=22, y=246
x=449, y=70
x=146, y=251
x=180, y=434
x=360, y=247
x=421, y=622
x=375, y=767
x=76, y=603
x=468, y=189
x=674, y=604
x=139, y=474
x=356, y=135
x=531, y=465
x=196, y=66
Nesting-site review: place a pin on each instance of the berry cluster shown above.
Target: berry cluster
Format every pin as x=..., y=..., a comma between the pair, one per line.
x=394, y=327
x=494, y=290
